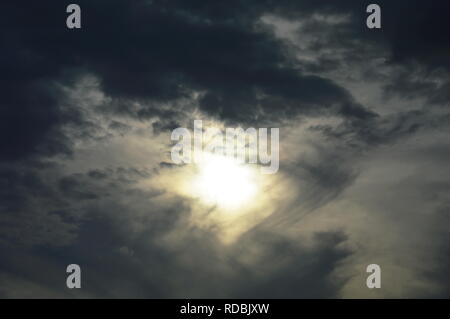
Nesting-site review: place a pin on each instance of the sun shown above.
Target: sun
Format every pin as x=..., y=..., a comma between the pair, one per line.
x=224, y=182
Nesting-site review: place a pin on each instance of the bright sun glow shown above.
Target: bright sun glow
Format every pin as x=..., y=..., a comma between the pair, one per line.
x=223, y=181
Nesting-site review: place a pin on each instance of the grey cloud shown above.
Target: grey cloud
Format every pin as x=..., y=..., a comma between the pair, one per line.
x=123, y=243
x=155, y=64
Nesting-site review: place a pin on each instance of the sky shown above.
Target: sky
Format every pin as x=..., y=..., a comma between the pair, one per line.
x=86, y=175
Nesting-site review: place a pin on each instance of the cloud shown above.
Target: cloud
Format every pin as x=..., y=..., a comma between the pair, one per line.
x=152, y=52
x=134, y=243
x=85, y=175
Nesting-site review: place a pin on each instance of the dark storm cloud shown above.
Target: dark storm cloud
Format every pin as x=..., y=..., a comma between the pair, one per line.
x=304, y=273
x=389, y=129
x=130, y=244
x=412, y=82
x=33, y=211
x=160, y=52
x=414, y=37
x=413, y=30
x=156, y=51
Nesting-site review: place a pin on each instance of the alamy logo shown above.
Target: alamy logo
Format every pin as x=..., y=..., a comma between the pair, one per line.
x=246, y=146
